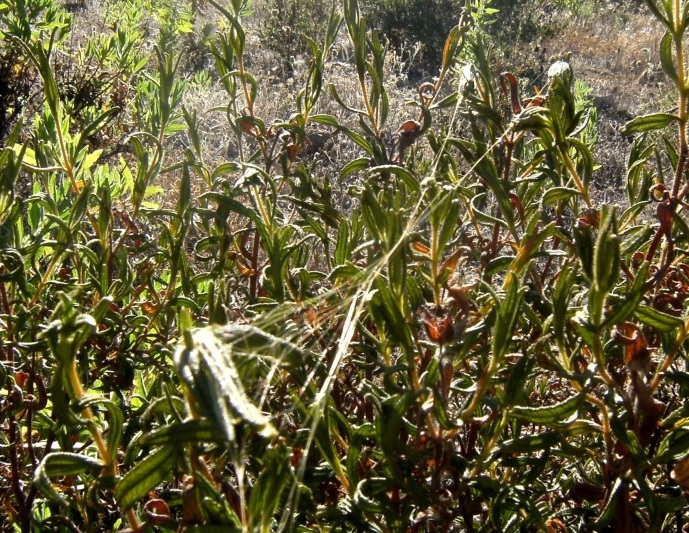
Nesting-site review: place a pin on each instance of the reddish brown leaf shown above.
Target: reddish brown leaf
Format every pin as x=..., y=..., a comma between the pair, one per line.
x=517, y=204
x=248, y=127
x=437, y=323
x=451, y=262
x=652, y=413
x=636, y=354
x=555, y=525
x=665, y=212
x=156, y=511
x=21, y=378
x=244, y=270
x=680, y=474
x=421, y=248
x=512, y=91
x=148, y=308
x=586, y=492
x=407, y=134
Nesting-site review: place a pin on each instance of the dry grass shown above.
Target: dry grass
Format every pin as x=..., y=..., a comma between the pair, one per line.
x=615, y=52
x=612, y=49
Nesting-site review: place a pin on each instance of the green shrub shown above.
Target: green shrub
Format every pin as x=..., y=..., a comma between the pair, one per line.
x=404, y=23
x=476, y=344
x=285, y=27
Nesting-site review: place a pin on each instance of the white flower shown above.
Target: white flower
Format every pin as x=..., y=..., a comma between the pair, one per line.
x=466, y=77
x=560, y=69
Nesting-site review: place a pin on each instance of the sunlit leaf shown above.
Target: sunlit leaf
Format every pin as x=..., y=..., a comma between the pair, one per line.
x=145, y=475
x=60, y=464
x=550, y=414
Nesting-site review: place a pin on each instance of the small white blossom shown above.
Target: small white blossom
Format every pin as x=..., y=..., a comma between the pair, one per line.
x=560, y=69
x=466, y=77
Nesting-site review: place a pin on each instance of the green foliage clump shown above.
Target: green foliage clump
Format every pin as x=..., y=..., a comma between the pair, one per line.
x=445, y=331
x=406, y=23
x=286, y=27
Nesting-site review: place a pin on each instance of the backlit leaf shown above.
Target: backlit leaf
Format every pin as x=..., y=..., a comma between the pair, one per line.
x=146, y=475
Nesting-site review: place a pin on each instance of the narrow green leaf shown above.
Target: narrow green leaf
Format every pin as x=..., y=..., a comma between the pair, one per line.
x=216, y=503
x=583, y=242
x=653, y=6
x=628, y=438
x=389, y=423
x=440, y=411
x=329, y=120
x=674, y=447
x=115, y=420
x=515, y=389
x=346, y=272
x=364, y=433
x=317, y=228
x=373, y=214
x=50, y=88
x=206, y=366
x=448, y=101
x=651, y=499
x=145, y=475
x=184, y=200
x=447, y=218
x=551, y=415
x=356, y=165
x=95, y=126
x=408, y=177
x=336, y=96
x=557, y=194
x=59, y=464
x=507, y=317
x=655, y=121
x=342, y=245
x=608, y=513
x=275, y=476
x=78, y=210
x=529, y=443
x=631, y=299
x=226, y=168
x=394, y=316
x=61, y=406
x=89, y=160
x=326, y=445
x=365, y=503
x=584, y=328
x=326, y=120
x=606, y=255
x=658, y=320
x=584, y=158
x=192, y=430
x=533, y=119
x=499, y=264
x=666, y=59
x=632, y=212
x=560, y=299
x=453, y=43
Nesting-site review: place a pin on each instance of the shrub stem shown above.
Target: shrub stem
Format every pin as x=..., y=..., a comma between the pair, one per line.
x=111, y=468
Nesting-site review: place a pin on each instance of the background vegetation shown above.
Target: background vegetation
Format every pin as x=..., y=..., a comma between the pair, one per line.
x=299, y=267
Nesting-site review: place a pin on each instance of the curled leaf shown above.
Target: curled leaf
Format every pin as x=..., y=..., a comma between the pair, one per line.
x=407, y=135
x=512, y=91
x=207, y=368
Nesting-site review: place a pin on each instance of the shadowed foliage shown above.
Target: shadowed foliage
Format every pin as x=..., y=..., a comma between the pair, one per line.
x=370, y=306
